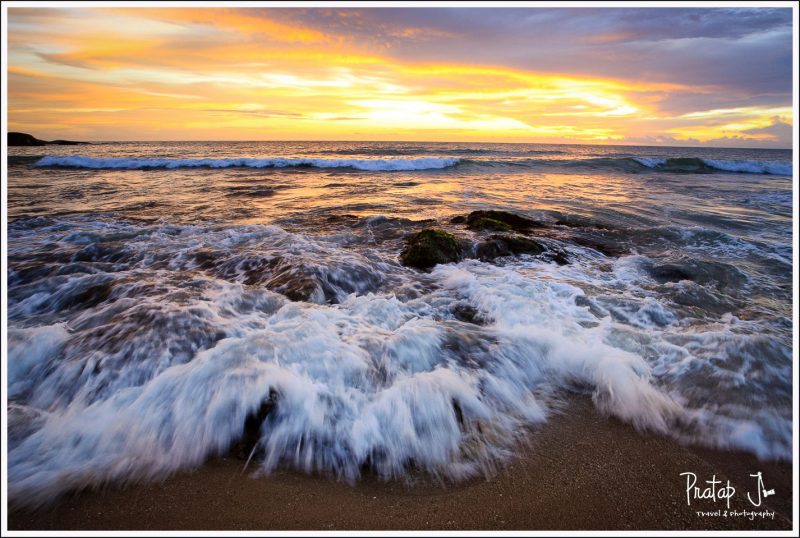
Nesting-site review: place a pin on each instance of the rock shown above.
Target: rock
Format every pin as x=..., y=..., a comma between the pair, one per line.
x=430, y=247
x=251, y=432
x=295, y=281
x=24, y=139
x=205, y=258
x=66, y=143
x=297, y=285
x=298, y=278
x=669, y=273
x=506, y=245
x=87, y=296
x=458, y=219
x=559, y=256
x=604, y=244
x=485, y=223
x=704, y=272
x=480, y=220
x=468, y=314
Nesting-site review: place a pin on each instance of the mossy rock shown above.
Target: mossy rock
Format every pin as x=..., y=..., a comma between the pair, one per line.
x=430, y=247
x=500, y=220
x=489, y=224
x=507, y=245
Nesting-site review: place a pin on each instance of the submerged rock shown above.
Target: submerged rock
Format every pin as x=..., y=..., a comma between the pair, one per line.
x=430, y=247
x=705, y=272
x=86, y=296
x=558, y=256
x=297, y=285
x=506, y=245
x=468, y=314
x=669, y=273
x=251, y=433
x=604, y=244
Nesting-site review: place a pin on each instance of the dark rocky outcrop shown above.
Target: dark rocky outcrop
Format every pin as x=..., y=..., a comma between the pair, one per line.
x=500, y=220
x=485, y=223
x=430, y=247
x=24, y=139
x=496, y=246
x=66, y=143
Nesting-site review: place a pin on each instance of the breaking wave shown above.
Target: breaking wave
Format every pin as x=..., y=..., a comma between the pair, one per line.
x=629, y=165
x=155, y=345
x=375, y=165
x=693, y=164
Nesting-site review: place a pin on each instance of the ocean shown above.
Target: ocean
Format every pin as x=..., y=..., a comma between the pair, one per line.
x=171, y=302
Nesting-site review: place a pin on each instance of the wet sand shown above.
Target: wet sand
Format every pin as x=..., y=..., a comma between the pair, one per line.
x=580, y=471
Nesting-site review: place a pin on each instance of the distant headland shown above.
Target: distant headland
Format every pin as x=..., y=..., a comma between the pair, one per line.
x=24, y=139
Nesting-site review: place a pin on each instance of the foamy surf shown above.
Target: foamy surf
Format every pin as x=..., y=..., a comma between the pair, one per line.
x=693, y=164
x=396, y=164
x=161, y=316
x=373, y=165
x=375, y=371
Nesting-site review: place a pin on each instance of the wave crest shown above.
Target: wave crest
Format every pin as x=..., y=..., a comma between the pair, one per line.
x=372, y=165
x=695, y=164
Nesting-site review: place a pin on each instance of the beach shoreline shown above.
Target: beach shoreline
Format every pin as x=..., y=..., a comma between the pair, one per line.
x=579, y=471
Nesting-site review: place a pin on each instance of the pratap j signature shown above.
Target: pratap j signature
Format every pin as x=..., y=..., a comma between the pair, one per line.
x=715, y=490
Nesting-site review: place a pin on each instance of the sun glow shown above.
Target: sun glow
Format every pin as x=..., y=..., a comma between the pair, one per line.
x=235, y=74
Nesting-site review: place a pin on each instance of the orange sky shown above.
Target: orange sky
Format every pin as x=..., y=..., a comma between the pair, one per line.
x=244, y=74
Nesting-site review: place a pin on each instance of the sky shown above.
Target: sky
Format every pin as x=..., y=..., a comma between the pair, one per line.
x=648, y=76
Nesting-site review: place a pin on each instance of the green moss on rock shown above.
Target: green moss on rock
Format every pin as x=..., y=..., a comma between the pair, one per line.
x=507, y=245
x=430, y=247
x=488, y=220
x=486, y=223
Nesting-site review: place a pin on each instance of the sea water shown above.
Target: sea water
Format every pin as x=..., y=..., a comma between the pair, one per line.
x=168, y=300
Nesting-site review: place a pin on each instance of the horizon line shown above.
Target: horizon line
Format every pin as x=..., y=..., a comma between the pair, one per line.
x=421, y=142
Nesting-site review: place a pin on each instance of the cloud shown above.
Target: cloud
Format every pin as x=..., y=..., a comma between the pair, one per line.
x=780, y=132
x=684, y=75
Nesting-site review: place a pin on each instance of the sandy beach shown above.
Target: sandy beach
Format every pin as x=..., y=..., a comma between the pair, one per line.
x=581, y=471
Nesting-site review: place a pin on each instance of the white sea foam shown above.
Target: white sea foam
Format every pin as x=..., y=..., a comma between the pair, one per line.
x=752, y=167
x=28, y=349
x=741, y=166
x=373, y=165
x=378, y=380
x=372, y=380
x=650, y=162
